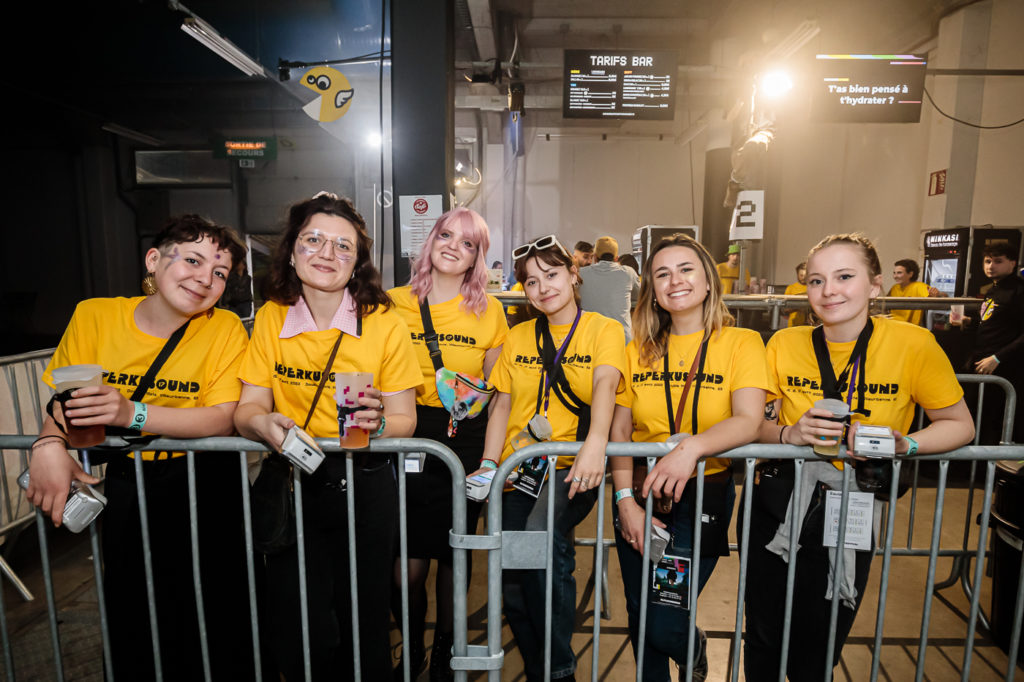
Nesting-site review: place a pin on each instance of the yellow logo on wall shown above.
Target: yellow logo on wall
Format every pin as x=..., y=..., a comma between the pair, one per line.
x=335, y=93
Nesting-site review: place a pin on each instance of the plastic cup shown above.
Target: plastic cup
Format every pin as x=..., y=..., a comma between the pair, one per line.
x=840, y=413
x=351, y=386
x=66, y=380
x=956, y=314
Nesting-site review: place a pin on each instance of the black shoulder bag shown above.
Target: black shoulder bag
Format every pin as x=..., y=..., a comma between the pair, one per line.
x=559, y=383
x=273, y=495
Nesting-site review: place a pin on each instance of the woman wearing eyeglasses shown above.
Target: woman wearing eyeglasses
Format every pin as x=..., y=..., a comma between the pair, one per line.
x=327, y=310
x=882, y=369
x=449, y=276
x=689, y=371
x=557, y=373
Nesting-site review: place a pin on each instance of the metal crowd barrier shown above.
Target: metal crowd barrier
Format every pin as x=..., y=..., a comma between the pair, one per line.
x=401, y=446
x=521, y=549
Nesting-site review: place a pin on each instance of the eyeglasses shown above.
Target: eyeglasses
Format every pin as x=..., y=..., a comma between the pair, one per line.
x=313, y=242
x=541, y=243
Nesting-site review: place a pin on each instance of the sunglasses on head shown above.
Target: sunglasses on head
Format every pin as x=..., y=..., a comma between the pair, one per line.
x=539, y=244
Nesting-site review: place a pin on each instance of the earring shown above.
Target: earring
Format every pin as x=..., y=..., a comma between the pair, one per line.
x=291, y=261
x=149, y=284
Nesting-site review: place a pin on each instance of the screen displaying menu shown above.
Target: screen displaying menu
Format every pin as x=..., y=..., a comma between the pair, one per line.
x=622, y=84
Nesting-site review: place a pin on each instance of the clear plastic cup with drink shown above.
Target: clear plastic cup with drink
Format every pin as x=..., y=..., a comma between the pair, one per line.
x=956, y=314
x=351, y=386
x=66, y=380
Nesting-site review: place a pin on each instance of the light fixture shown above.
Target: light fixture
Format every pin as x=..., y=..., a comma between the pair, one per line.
x=204, y=33
x=775, y=84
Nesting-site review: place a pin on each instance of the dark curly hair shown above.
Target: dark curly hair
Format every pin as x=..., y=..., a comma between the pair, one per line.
x=191, y=228
x=283, y=285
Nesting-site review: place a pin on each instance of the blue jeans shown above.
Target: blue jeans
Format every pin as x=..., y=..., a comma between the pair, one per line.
x=523, y=590
x=668, y=628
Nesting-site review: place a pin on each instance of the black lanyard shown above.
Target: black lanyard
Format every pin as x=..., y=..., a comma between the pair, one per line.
x=549, y=373
x=830, y=385
x=698, y=367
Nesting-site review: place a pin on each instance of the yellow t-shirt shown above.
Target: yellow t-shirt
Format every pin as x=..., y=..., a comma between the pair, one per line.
x=201, y=372
x=513, y=309
x=797, y=317
x=913, y=289
x=905, y=367
x=462, y=337
x=597, y=341
x=291, y=367
x=735, y=360
x=729, y=274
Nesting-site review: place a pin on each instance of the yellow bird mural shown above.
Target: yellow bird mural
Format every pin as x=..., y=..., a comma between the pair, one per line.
x=335, y=93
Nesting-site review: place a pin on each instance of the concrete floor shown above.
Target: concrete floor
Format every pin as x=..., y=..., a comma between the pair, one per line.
x=28, y=626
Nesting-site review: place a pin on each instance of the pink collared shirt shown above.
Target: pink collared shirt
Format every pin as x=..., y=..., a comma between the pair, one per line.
x=299, y=319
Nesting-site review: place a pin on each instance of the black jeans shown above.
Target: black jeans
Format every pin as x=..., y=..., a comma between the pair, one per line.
x=766, y=602
x=222, y=569
x=328, y=577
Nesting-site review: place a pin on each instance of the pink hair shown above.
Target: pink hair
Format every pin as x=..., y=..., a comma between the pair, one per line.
x=474, y=285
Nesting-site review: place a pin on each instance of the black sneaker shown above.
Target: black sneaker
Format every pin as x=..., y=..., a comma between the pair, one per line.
x=700, y=664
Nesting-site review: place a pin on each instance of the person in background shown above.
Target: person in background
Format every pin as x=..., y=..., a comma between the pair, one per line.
x=193, y=395
x=807, y=364
x=905, y=273
x=449, y=276
x=999, y=339
x=562, y=368
x=609, y=288
x=628, y=260
x=583, y=254
x=681, y=323
x=798, y=316
x=327, y=309
x=729, y=271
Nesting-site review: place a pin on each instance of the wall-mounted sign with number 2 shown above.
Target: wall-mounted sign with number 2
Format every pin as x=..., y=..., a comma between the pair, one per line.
x=748, y=216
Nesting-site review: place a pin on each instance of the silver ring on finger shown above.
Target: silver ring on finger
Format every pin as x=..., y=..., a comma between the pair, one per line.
x=576, y=479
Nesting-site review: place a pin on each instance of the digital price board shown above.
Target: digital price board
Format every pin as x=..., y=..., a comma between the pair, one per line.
x=622, y=84
x=868, y=88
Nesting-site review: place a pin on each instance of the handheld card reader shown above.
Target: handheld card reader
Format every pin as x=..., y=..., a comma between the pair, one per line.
x=479, y=486
x=659, y=542
x=874, y=441
x=301, y=450
x=84, y=504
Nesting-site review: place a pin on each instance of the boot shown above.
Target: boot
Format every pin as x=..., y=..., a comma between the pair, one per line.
x=441, y=658
x=417, y=661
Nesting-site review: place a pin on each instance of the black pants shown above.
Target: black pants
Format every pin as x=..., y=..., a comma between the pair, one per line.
x=765, y=601
x=991, y=426
x=222, y=569
x=328, y=578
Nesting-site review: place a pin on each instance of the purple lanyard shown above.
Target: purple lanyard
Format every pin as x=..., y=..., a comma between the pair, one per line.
x=558, y=359
x=853, y=382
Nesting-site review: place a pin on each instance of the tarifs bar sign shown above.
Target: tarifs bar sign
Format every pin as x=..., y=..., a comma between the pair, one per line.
x=621, y=84
x=868, y=88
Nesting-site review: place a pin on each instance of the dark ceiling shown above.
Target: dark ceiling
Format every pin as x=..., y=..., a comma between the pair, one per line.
x=75, y=67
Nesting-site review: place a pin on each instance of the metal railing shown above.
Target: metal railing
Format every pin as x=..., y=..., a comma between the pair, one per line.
x=519, y=549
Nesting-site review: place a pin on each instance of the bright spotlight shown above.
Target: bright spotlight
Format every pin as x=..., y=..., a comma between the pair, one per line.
x=373, y=139
x=775, y=84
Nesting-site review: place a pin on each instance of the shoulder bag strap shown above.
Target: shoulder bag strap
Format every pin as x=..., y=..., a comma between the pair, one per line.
x=323, y=380
x=430, y=336
x=697, y=367
x=146, y=382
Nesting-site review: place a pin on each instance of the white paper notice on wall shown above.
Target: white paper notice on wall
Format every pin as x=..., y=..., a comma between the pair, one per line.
x=418, y=213
x=748, y=216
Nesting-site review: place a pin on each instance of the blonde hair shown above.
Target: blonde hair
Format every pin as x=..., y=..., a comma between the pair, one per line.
x=652, y=325
x=856, y=239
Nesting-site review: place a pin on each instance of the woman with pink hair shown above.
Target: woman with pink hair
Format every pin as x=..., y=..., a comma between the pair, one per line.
x=445, y=296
